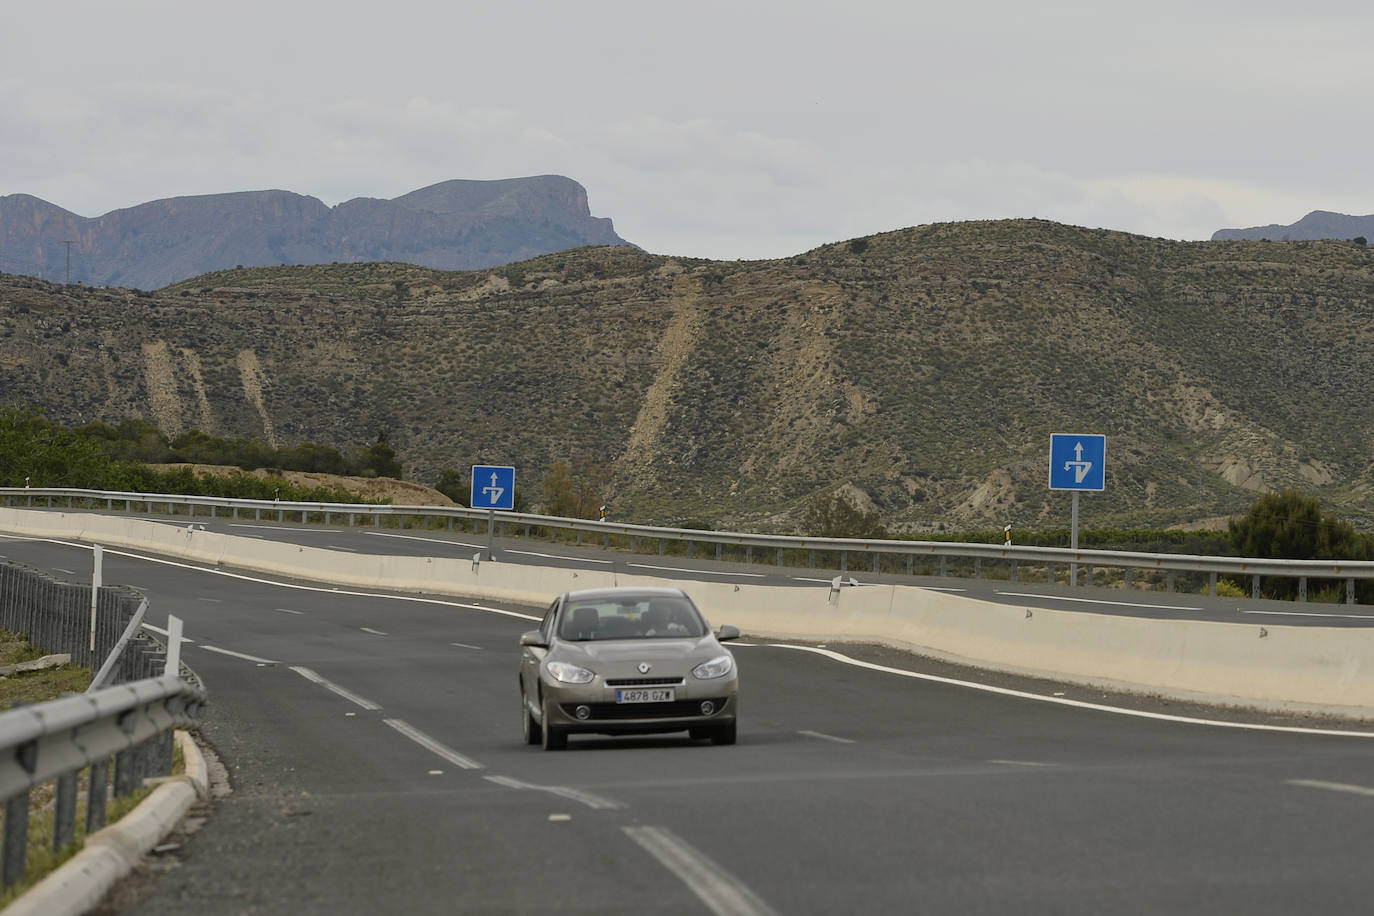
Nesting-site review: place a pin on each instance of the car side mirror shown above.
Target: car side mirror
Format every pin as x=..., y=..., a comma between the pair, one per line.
x=534, y=639
x=727, y=632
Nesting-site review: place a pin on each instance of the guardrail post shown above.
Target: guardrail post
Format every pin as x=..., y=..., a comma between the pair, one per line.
x=1013, y=570
x=1088, y=574
x=811, y=559
x=1169, y=582
x=779, y=556
x=844, y=561
x=126, y=778
x=876, y=558
x=1302, y=588
x=97, y=794
x=64, y=812
x=719, y=549
x=748, y=554
x=1049, y=573
x=1127, y=576
x=1254, y=587
x=910, y=563
x=977, y=567
x=1350, y=591
x=944, y=566
x=1212, y=585
x=16, y=851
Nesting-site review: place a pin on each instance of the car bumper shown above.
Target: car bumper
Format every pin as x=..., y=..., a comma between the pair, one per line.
x=592, y=708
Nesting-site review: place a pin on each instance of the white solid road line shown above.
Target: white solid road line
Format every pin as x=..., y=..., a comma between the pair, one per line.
x=463, y=645
x=300, y=587
x=287, y=610
x=344, y=692
x=248, y=658
x=1311, y=614
x=700, y=572
x=722, y=892
x=429, y=744
x=1077, y=704
x=591, y=800
x=413, y=537
x=550, y=556
x=1023, y=763
x=1332, y=786
x=277, y=527
x=372, y=631
x=824, y=737
x=1157, y=607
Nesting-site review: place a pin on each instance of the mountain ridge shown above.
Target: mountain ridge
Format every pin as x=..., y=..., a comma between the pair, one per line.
x=1319, y=224
x=452, y=225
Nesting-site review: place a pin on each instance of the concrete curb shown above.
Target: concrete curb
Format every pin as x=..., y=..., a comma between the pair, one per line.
x=83, y=881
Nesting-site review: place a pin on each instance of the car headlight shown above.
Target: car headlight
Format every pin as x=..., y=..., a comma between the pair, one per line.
x=716, y=667
x=570, y=674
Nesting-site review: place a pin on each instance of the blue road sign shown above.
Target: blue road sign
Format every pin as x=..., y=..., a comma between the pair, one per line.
x=1078, y=461
x=493, y=487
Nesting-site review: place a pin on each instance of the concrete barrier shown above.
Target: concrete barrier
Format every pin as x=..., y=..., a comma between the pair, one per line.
x=1284, y=668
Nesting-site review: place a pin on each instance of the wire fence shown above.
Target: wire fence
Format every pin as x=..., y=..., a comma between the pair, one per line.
x=57, y=740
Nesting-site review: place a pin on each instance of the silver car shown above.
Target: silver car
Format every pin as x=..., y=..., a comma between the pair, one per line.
x=620, y=661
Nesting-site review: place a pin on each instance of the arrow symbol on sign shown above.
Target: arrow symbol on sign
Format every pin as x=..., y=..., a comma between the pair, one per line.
x=494, y=490
x=1079, y=467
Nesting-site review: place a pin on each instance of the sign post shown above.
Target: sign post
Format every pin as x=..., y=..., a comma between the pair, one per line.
x=493, y=488
x=97, y=580
x=1078, y=462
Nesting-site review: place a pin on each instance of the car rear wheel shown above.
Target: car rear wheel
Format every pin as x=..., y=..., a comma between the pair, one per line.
x=724, y=734
x=533, y=733
x=555, y=738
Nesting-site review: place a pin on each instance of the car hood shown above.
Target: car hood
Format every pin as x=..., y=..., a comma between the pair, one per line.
x=616, y=656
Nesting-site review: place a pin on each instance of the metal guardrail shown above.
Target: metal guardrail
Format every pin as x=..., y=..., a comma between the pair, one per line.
x=1051, y=558
x=133, y=721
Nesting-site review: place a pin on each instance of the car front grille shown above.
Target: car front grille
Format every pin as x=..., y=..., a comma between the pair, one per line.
x=644, y=681
x=678, y=709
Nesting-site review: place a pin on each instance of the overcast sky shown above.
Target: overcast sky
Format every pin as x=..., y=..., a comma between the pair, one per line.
x=714, y=129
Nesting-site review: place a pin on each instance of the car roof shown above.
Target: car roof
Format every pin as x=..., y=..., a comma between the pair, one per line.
x=623, y=591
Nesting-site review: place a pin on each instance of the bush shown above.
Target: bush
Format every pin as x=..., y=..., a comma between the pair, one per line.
x=1290, y=526
x=834, y=515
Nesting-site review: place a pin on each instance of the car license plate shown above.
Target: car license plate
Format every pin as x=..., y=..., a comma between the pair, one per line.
x=645, y=695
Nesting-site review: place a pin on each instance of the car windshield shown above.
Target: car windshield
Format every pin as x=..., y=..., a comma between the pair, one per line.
x=631, y=617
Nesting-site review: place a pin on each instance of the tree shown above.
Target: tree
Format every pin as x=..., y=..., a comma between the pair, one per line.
x=379, y=460
x=834, y=515
x=574, y=495
x=456, y=485
x=1290, y=526
x=46, y=453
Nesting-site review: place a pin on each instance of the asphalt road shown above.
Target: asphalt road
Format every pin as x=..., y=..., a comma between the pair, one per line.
x=373, y=743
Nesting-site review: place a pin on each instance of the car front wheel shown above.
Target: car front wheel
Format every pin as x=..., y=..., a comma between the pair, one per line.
x=724, y=734
x=533, y=733
x=555, y=738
